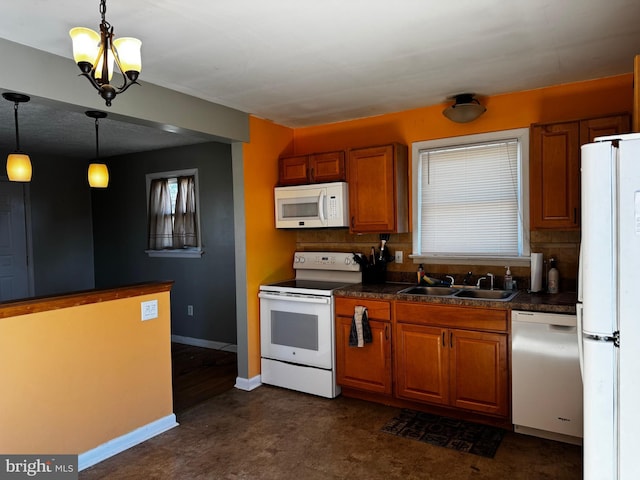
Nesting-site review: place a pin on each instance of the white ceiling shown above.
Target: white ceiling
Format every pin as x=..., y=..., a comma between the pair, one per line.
x=308, y=62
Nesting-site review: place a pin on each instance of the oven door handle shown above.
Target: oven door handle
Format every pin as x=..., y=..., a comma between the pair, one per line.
x=296, y=298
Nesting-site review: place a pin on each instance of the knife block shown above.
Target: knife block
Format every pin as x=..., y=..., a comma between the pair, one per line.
x=376, y=273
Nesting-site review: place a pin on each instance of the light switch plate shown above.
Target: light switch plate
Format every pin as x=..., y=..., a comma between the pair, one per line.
x=149, y=309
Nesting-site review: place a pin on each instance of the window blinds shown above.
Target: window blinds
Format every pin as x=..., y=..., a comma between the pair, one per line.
x=469, y=200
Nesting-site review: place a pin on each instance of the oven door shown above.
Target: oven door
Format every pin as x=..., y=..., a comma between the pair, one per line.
x=297, y=328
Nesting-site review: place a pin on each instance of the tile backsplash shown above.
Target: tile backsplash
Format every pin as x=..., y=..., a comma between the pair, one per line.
x=564, y=246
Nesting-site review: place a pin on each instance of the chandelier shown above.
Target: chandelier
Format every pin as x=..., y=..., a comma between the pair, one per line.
x=96, y=53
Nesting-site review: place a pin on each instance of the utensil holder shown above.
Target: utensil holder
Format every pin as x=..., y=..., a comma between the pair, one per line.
x=376, y=273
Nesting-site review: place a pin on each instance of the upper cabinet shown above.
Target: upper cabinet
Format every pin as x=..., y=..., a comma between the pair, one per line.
x=554, y=168
x=314, y=168
x=378, y=200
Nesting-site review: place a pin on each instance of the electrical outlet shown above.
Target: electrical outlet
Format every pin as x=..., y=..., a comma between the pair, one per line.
x=399, y=256
x=190, y=310
x=149, y=309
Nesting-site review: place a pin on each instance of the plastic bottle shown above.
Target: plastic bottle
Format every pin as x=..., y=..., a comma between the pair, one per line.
x=420, y=274
x=553, y=277
x=508, y=280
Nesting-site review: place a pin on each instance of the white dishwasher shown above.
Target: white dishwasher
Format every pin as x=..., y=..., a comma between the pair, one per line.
x=546, y=384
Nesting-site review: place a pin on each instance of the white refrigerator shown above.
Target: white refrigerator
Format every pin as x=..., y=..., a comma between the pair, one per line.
x=609, y=307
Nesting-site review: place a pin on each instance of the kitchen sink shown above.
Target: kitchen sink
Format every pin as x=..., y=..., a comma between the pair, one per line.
x=468, y=293
x=432, y=291
x=496, y=295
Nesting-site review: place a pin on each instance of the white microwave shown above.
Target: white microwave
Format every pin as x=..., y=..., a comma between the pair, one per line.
x=312, y=206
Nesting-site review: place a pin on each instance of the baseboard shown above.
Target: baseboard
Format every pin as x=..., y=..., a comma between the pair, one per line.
x=126, y=441
x=199, y=342
x=248, y=384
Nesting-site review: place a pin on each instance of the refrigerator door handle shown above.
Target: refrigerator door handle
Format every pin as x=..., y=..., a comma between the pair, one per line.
x=580, y=338
x=580, y=283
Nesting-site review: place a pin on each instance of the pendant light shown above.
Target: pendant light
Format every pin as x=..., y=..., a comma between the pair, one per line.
x=98, y=173
x=18, y=162
x=96, y=53
x=465, y=109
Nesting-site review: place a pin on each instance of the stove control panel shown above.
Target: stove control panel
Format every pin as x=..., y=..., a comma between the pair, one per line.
x=325, y=261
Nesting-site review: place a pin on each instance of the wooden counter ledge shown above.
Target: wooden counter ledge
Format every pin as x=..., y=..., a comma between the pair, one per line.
x=15, y=308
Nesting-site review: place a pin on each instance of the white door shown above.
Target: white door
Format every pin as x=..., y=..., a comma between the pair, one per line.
x=14, y=272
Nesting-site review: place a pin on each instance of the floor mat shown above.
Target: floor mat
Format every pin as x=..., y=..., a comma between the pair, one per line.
x=446, y=432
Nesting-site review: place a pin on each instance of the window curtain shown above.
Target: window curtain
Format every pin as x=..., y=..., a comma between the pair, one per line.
x=160, y=221
x=184, y=226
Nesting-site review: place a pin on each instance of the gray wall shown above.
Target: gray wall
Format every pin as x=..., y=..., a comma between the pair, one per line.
x=62, y=234
x=120, y=233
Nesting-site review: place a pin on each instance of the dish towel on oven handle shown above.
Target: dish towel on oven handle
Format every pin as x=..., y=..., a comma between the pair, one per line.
x=360, y=329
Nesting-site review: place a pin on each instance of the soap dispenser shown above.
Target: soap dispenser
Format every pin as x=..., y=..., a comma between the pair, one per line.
x=553, y=277
x=508, y=279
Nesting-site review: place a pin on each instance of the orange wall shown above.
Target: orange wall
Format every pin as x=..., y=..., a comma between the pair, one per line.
x=75, y=378
x=514, y=110
x=269, y=251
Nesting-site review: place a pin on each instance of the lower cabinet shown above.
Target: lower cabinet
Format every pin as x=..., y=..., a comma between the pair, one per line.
x=366, y=368
x=454, y=357
x=460, y=367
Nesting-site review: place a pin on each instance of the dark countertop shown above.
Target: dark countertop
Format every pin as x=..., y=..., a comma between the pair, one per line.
x=534, y=302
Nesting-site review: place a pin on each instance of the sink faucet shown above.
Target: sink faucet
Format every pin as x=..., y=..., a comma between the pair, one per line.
x=490, y=276
x=467, y=278
x=452, y=280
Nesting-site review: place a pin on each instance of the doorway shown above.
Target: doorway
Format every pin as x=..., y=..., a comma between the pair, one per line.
x=15, y=271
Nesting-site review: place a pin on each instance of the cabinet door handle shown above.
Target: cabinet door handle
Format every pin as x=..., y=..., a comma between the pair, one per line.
x=451, y=339
x=312, y=175
x=353, y=221
x=443, y=344
x=386, y=332
x=575, y=215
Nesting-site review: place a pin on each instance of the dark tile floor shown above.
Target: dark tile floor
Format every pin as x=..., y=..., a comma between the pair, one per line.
x=272, y=433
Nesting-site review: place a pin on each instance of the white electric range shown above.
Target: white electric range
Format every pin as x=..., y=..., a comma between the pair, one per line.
x=297, y=325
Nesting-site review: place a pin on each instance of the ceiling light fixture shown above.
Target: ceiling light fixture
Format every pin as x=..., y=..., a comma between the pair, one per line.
x=465, y=109
x=95, y=53
x=98, y=173
x=18, y=162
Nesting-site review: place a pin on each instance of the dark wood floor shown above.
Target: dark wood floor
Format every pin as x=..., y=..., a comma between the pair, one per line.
x=199, y=374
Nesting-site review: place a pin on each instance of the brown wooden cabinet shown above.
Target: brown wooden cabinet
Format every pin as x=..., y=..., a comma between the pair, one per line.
x=365, y=368
x=554, y=168
x=422, y=363
x=314, y=168
x=378, y=200
x=441, y=357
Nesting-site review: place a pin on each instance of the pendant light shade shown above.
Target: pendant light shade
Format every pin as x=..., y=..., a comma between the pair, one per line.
x=465, y=109
x=98, y=173
x=19, y=167
x=18, y=162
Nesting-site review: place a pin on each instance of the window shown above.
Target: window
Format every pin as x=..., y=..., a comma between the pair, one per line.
x=471, y=197
x=173, y=214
